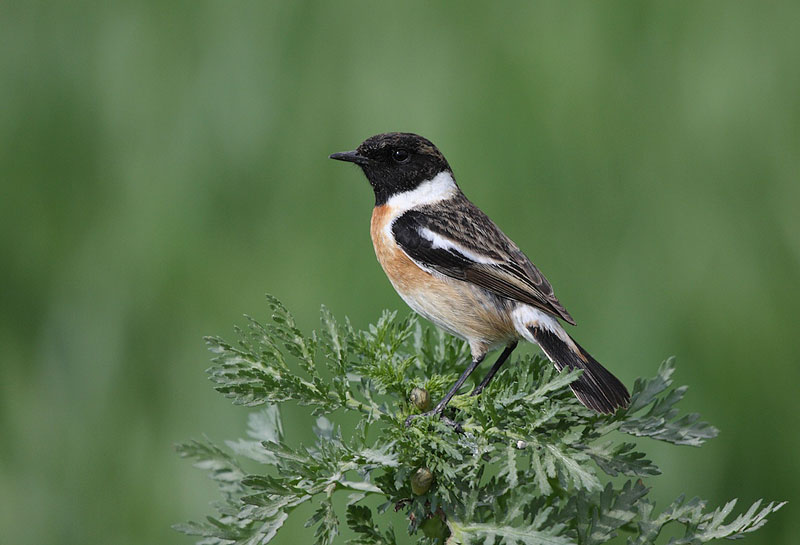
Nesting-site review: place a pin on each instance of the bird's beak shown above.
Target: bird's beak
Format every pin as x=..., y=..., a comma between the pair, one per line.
x=350, y=157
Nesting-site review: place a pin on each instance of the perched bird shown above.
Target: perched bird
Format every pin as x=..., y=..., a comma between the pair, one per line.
x=451, y=264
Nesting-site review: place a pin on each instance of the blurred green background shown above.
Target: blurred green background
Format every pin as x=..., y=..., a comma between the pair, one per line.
x=165, y=164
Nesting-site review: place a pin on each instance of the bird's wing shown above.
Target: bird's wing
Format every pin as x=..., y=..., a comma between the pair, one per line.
x=460, y=241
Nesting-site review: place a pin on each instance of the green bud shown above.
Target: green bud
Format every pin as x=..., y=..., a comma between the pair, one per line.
x=421, y=481
x=434, y=527
x=420, y=398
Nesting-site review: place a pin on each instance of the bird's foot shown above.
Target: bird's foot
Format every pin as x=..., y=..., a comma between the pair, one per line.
x=436, y=412
x=453, y=424
x=476, y=391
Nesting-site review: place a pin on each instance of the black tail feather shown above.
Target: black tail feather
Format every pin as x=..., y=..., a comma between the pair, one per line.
x=596, y=388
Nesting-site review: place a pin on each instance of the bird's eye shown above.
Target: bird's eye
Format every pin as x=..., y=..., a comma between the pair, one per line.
x=400, y=155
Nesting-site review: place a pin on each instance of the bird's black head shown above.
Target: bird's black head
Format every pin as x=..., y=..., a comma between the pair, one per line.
x=396, y=162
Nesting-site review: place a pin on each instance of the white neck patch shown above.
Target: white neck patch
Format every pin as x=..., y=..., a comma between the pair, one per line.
x=440, y=188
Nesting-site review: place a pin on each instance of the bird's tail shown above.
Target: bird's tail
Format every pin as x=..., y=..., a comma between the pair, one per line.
x=596, y=388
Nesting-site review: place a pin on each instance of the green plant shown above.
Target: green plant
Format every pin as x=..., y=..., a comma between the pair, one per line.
x=526, y=468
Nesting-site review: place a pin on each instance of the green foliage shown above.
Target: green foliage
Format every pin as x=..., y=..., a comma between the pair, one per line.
x=530, y=467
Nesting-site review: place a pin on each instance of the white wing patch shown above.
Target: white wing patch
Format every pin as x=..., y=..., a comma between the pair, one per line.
x=443, y=243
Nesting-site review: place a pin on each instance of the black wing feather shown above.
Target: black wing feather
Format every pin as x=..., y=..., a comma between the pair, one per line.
x=512, y=275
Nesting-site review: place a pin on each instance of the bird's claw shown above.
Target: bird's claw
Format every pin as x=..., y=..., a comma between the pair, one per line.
x=452, y=423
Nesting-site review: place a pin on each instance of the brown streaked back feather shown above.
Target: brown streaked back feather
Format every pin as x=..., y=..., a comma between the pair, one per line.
x=476, y=251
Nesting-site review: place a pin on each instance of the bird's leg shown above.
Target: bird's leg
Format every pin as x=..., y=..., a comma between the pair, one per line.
x=496, y=367
x=443, y=403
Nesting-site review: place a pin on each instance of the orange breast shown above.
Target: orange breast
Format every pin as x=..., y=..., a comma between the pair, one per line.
x=457, y=307
x=404, y=274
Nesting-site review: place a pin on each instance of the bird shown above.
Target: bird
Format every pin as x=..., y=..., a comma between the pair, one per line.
x=452, y=265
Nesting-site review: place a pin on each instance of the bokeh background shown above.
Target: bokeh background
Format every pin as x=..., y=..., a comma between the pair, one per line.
x=163, y=164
